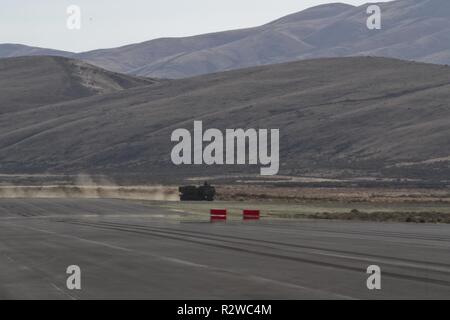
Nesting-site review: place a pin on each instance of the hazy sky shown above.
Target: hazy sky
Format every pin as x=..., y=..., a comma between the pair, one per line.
x=111, y=23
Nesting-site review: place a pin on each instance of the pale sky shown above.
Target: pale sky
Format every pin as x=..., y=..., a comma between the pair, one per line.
x=112, y=23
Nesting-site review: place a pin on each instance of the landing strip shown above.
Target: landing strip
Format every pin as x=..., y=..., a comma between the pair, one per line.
x=139, y=250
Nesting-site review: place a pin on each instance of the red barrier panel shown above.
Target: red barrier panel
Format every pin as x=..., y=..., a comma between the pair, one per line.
x=251, y=214
x=218, y=215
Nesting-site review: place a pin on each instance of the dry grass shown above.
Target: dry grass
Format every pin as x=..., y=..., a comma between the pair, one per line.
x=394, y=205
x=296, y=195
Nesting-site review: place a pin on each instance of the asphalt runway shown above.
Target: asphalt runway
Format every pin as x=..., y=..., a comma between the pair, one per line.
x=137, y=250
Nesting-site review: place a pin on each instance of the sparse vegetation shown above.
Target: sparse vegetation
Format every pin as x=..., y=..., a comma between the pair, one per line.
x=339, y=118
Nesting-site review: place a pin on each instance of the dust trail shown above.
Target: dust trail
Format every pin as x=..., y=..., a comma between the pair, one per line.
x=86, y=187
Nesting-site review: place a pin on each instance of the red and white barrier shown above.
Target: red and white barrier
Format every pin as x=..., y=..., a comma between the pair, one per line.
x=218, y=215
x=251, y=214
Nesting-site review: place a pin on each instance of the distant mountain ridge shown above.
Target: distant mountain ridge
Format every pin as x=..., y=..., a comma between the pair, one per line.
x=11, y=50
x=411, y=30
x=339, y=117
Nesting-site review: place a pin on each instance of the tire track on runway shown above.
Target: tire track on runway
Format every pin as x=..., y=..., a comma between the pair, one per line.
x=185, y=238
x=374, y=233
x=257, y=242
x=218, y=270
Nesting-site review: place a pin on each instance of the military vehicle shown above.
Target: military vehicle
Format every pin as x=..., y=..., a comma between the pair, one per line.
x=206, y=192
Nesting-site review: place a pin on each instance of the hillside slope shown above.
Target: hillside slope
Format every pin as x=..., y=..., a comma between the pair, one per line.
x=337, y=117
x=27, y=82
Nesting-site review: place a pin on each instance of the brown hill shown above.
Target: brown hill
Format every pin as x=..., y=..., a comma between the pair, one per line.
x=337, y=117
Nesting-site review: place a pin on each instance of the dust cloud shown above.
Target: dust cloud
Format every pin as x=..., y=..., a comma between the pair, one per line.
x=86, y=186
